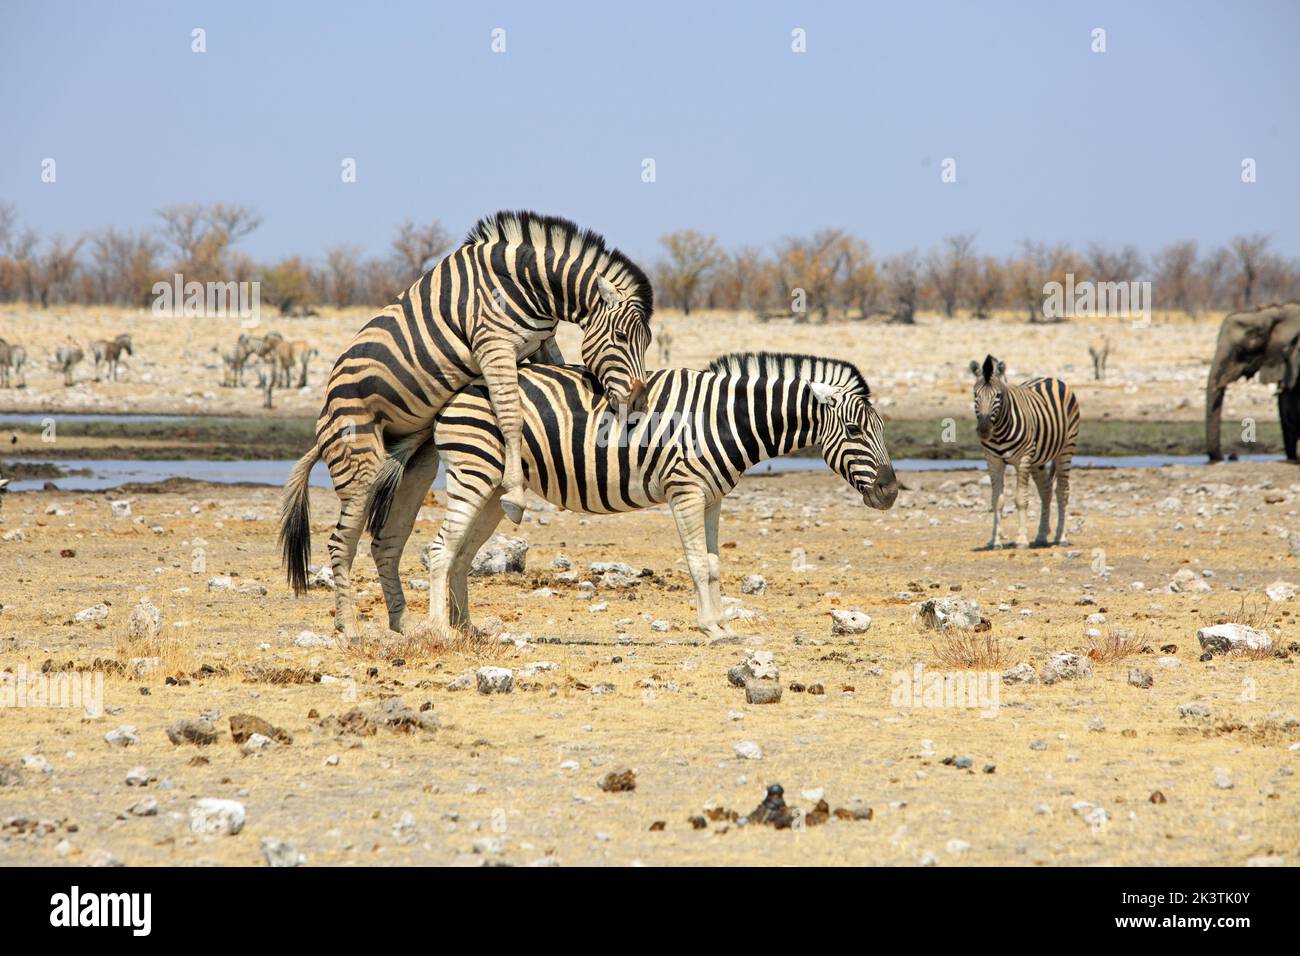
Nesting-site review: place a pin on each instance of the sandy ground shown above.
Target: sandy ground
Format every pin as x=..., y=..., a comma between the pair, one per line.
x=515, y=776
x=918, y=372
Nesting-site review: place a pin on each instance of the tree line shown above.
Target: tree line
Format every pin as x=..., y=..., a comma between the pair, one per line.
x=830, y=274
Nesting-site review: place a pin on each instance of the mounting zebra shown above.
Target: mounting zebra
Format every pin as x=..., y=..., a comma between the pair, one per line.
x=1027, y=426
x=699, y=433
x=110, y=351
x=490, y=303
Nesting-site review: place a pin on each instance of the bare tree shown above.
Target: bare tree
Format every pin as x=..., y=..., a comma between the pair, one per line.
x=1250, y=253
x=813, y=265
x=988, y=286
x=124, y=267
x=343, y=275
x=903, y=278
x=415, y=249
x=1112, y=265
x=1175, y=276
x=948, y=270
x=859, y=282
x=692, y=260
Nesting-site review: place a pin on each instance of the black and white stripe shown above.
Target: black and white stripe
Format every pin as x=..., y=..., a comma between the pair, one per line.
x=700, y=431
x=489, y=304
x=1029, y=426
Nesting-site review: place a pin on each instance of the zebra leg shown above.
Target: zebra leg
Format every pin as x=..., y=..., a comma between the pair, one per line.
x=360, y=460
x=1023, y=468
x=712, y=513
x=997, y=474
x=688, y=512
x=387, y=547
x=485, y=522
x=1061, y=470
x=1043, y=481
x=500, y=368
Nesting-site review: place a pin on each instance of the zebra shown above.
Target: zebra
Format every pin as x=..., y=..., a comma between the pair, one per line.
x=1027, y=426
x=110, y=351
x=700, y=432
x=12, y=359
x=288, y=355
x=490, y=303
x=67, y=358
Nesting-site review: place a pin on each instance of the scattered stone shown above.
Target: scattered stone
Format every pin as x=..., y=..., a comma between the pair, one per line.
x=138, y=777
x=748, y=750
x=494, y=680
x=312, y=639
x=1140, y=678
x=10, y=776
x=619, y=781
x=1158, y=797
x=96, y=612
x=849, y=622
x=277, y=853
x=211, y=816
x=762, y=692
x=1065, y=666
x=1022, y=673
x=145, y=622
x=244, y=726
x=1222, y=638
x=1194, y=710
x=221, y=582
x=120, y=509
x=1281, y=591
x=941, y=613
x=501, y=555
x=1222, y=781
x=148, y=807
x=753, y=584
x=199, y=732
x=1187, y=581
x=256, y=743
x=124, y=736
x=758, y=665
x=462, y=682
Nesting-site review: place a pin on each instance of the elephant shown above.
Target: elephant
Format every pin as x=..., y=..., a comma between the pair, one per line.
x=1255, y=340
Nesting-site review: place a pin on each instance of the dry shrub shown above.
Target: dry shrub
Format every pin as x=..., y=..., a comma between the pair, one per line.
x=1256, y=612
x=422, y=642
x=959, y=649
x=1251, y=654
x=1115, y=646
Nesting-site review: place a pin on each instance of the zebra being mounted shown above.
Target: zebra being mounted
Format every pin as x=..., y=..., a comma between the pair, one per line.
x=699, y=433
x=1027, y=426
x=490, y=303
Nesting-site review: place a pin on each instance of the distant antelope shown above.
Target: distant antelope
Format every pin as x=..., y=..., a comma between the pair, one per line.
x=12, y=359
x=110, y=351
x=67, y=358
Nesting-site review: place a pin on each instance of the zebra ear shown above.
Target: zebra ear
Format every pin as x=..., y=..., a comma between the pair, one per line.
x=608, y=292
x=1002, y=368
x=975, y=368
x=825, y=394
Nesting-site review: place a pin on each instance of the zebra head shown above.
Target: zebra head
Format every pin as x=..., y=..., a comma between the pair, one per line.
x=616, y=334
x=990, y=390
x=852, y=439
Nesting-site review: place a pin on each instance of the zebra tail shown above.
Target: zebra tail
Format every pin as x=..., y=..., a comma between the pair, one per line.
x=295, y=522
x=389, y=478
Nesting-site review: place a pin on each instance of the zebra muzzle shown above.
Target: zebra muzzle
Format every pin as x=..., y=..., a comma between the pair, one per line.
x=884, y=492
x=636, y=398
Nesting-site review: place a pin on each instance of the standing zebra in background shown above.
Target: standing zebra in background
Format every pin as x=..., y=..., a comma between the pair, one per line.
x=288, y=355
x=490, y=303
x=67, y=358
x=1027, y=426
x=12, y=359
x=699, y=433
x=110, y=351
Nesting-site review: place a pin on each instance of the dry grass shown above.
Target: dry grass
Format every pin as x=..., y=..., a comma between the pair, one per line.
x=1253, y=611
x=422, y=643
x=969, y=650
x=1116, y=646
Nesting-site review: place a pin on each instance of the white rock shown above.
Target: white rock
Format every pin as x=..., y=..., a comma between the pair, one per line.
x=849, y=622
x=1225, y=637
x=217, y=817
x=145, y=622
x=494, y=680
x=312, y=639
x=120, y=509
x=96, y=612
x=124, y=736
x=748, y=750
x=277, y=853
x=1065, y=666
x=1187, y=581
x=939, y=613
x=753, y=584
x=221, y=582
x=500, y=555
x=1281, y=591
x=256, y=743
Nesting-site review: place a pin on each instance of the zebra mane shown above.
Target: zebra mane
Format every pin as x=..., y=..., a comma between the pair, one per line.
x=813, y=368
x=515, y=226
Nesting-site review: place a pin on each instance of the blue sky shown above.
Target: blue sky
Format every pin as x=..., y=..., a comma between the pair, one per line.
x=752, y=142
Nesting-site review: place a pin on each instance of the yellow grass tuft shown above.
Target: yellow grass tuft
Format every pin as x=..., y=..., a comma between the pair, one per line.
x=969, y=650
x=1112, y=647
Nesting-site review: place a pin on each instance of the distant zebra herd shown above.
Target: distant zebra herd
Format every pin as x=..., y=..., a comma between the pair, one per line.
x=105, y=352
x=277, y=359
x=437, y=376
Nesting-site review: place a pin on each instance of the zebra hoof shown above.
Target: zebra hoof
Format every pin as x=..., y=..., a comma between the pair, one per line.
x=513, y=510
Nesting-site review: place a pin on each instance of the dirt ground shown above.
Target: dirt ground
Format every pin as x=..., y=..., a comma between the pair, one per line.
x=513, y=778
x=918, y=372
